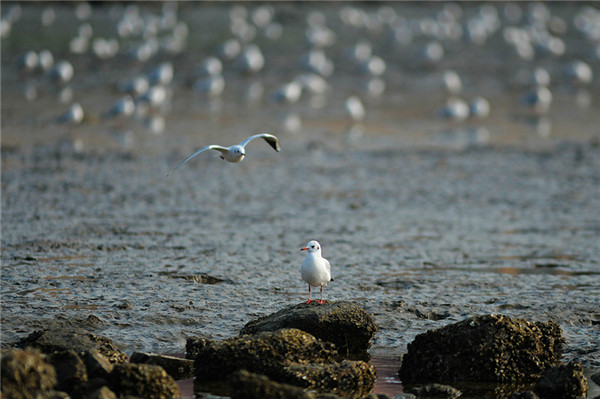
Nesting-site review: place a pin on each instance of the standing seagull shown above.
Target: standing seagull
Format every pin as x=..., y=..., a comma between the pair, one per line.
x=315, y=270
x=235, y=153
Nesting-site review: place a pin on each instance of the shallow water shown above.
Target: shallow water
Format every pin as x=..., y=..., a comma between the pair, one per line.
x=425, y=221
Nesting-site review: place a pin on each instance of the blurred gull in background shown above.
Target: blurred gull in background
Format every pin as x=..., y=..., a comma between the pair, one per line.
x=124, y=107
x=538, y=100
x=73, y=115
x=135, y=86
x=162, y=74
x=455, y=110
x=61, y=73
x=251, y=59
x=578, y=73
x=355, y=108
x=452, y=82
x=288, y=92
x=479, y=107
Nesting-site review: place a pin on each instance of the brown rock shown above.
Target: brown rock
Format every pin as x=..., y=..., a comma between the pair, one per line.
x=343, y=323
x=525, y=395
x=86, y=389
x=263, y=353
x=193, y=345
x=176, y=367
x=562, y=382
x=435, y=391
x=26, y=375
x=143, y=380
x=491, y=348
x=287, y=356
x=246, y=385
x=70, y=370
x=348, y=378
x=96, y=364
x=102, y=393
x=77, y=339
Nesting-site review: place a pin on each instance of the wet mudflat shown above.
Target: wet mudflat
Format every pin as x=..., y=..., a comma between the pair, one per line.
x=426, y=221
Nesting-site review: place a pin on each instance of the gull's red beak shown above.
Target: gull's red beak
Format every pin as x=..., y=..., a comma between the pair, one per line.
x=304, y=249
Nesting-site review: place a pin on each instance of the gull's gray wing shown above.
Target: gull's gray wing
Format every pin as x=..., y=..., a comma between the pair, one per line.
x=269, y=138
x=223, y=150
x=328, y=265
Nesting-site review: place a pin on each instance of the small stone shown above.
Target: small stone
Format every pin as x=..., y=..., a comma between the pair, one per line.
x=565, y=382
x=102, y=393
x=143, y=380
x=176, y=367
x=70, y=369
x=435, y=391
x=525, y=395
x=379, y=396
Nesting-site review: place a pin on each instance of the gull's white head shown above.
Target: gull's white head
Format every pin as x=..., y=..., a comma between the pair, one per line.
x=236, y=153
x=238, y=150
x=312, y=246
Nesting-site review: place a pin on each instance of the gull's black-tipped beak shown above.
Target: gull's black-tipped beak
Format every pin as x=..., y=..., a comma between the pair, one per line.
x=304, y=249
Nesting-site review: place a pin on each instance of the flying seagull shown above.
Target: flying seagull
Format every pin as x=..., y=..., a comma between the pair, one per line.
x=234, y=153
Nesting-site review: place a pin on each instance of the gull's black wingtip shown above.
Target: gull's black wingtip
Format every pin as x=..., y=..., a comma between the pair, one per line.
x=274, y=143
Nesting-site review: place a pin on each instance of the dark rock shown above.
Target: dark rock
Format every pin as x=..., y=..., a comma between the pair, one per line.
x=286, y=356
x=96, y=364
x=102, y=393
x=70, y=369
x=88, y=388
x=596, y=378
x=492, y=348
x=78, y=339
x=246, y=385
x=435, y=391
x=193, y=345
x=525, y=395
x=26, y=374
x=263, y=353
x=176, y=367
x=349, y=378
x=144, y=380
x=345, y=324
x=565, y=382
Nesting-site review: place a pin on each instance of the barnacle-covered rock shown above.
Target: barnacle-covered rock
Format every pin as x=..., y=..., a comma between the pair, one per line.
x=492, y=348
x=343, y=323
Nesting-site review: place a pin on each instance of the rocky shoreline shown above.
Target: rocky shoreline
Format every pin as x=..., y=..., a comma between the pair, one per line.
x=301, y=351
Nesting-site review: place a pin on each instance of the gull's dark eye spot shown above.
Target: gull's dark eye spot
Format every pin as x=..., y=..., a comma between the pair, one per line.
x=312, y=246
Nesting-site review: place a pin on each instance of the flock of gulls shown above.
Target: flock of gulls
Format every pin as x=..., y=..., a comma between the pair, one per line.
x=154, y=36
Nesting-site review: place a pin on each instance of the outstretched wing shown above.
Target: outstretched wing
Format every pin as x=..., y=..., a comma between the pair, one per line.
x=223, y=150
x=269, y=138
